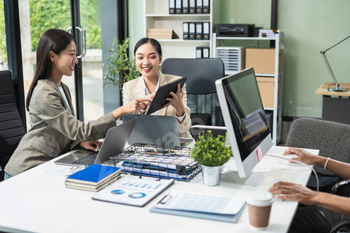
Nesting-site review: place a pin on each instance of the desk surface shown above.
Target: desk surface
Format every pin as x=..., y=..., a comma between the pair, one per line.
x=322, y=90
x=37, y=202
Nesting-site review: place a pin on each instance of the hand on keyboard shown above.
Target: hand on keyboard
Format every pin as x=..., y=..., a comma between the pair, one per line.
x=275, y=175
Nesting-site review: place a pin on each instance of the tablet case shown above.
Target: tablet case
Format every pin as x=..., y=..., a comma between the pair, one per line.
x=163, y=92
x=218, y=217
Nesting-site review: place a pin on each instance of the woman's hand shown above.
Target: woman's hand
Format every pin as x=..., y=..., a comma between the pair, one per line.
x=133, y=106
x=94, y=145
x=294, y=192
x=304, y=156
x=177, y=101
x=145, y=104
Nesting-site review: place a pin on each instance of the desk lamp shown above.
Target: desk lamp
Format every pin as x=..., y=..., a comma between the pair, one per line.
x=337, y=88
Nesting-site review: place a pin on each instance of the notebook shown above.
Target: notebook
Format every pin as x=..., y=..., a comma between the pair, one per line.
x=156, y=130
x=114, y=143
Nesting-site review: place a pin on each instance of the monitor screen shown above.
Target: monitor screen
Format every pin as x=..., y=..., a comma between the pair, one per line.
x=244, y=118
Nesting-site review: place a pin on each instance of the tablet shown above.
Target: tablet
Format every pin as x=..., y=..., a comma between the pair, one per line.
x=163, y=92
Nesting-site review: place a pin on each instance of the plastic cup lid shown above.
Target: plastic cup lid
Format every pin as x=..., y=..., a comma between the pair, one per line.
x=260, y=199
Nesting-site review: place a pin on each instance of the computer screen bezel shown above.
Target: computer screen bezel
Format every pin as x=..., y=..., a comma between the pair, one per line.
x=244, y=167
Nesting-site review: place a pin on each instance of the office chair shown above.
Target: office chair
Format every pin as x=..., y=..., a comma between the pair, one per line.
x=200, y=86
x=11, y=127
x=331, y=138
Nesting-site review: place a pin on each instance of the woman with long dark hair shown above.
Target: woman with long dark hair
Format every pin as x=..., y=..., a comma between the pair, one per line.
x=55, y=130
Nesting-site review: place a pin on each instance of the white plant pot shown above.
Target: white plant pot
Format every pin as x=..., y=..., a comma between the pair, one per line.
x=211, y=175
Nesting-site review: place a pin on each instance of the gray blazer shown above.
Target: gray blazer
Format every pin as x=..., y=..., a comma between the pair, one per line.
x=134, y=89
x=54, y=129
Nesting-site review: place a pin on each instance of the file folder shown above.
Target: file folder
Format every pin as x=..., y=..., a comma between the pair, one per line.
x=199, y=30
x=171, y=6
x=206, y=30
x=185, y=7
x=178, y=6
x=185, y=30
x=206, y=7
x=192, y=6
x=192, y=30
x=205, y=52
x=199, y=52
x=199, y=7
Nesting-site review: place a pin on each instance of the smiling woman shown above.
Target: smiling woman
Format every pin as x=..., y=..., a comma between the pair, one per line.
x=148, y=56
x=55, y=130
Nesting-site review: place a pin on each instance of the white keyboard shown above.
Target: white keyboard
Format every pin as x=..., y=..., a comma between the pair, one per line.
x=275, y=175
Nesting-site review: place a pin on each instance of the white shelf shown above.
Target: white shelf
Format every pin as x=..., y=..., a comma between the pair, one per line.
x=277, y=75
x=156, y=15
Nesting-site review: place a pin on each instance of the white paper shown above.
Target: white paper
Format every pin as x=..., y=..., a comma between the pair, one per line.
x=197, y=202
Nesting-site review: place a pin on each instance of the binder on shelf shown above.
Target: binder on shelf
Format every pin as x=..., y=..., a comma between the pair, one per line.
x=185, y=7
x=199, y=30
x=199, y=7
x=171, y=6
x=178, y=6
x=199, y=52
x=206, y=7
x=205, y=53
x=161, y=33
x=192, y=30
x=192, y=6
x=206, y=30
x=185, y=30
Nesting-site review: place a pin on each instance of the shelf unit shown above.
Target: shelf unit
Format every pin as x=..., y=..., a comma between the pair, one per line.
x=156, y=15
x=277, y=75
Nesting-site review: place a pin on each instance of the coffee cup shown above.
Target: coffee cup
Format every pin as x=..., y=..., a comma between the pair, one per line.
x=259, y=208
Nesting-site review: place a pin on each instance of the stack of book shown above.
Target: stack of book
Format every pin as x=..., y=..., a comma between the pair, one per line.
x=93, y=178
x=161, y=33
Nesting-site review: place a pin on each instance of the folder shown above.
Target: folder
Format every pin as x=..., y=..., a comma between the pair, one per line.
x=185, y=7
x=199, y=30
x=199, y=7
x=206, y=7
x=206, y=30
x=185, y=30
x=178, y=6
x=192, y=6
x=199, y=52
x=171, y=6
x=192, y=30
x=205, y=52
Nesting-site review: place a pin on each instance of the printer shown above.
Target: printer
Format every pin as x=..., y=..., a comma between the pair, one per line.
x=233, y=30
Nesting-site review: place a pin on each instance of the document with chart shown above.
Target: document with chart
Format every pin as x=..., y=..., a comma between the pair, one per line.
x=132, y=190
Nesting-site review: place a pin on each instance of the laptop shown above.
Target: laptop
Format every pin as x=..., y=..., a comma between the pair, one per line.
x=160, y=131
x=113, y=144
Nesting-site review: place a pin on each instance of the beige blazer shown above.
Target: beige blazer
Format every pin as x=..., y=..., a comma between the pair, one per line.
x=55, y=130
x=134, y=89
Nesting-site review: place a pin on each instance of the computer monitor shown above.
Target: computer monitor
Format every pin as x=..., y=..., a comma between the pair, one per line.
x=244, y=118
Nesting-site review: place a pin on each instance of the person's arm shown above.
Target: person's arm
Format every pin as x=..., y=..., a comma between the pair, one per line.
x=339, y=168
x=306, y=196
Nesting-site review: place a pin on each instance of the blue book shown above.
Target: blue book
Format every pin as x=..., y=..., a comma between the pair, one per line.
x=94, y=174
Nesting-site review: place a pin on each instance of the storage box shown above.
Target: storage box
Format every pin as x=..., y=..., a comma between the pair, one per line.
x=266, y=89
x=261, y=59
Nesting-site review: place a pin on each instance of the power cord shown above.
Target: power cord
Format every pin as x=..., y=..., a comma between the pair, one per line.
x=301, y=163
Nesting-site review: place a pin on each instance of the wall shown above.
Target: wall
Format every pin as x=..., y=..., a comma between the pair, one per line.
x=309, y=26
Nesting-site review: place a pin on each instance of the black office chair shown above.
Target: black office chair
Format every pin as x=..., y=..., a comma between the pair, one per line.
x=200, y=86
x=11, y=127
x=331, y=138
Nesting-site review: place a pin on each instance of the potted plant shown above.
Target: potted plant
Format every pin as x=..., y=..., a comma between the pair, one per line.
x=211, y=153
x=121, y=68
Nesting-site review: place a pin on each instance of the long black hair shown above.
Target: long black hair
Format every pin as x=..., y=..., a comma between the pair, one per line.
x=153, y=42
x=54, y=40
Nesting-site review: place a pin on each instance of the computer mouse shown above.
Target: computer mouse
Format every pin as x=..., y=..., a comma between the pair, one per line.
x=291, y=156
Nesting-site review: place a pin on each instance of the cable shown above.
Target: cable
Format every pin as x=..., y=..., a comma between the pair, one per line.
x=301, y=163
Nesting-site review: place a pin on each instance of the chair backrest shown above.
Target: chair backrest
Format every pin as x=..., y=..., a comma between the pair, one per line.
x=200, y=84
x=331, y=138
x=11, y=127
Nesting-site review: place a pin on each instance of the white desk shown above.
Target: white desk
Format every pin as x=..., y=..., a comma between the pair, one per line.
x=36, y=202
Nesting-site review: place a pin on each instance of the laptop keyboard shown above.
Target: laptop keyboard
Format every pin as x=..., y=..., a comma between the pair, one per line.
x=87, y=160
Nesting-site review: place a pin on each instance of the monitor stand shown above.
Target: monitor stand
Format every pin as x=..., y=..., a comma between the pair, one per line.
x=253, y=179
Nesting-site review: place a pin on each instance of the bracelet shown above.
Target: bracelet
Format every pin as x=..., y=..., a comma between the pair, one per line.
x=325, y=165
